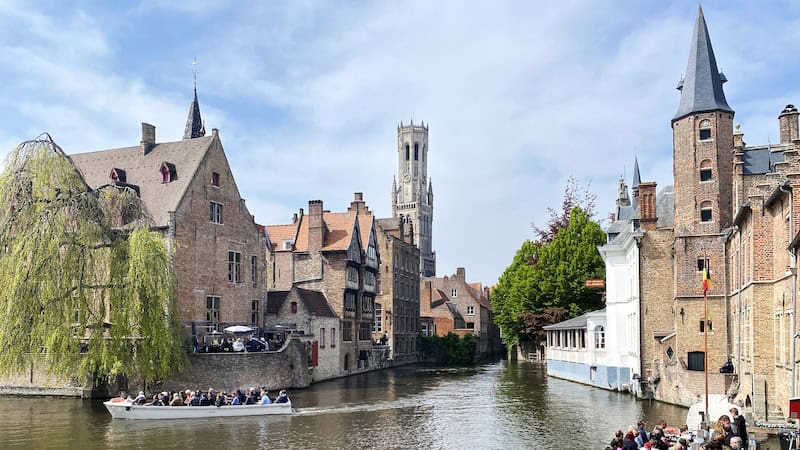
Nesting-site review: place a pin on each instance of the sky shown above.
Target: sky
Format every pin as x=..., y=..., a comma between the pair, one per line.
x=307, y=95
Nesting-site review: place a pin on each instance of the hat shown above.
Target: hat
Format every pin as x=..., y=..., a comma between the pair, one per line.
x=141, y=392
x=647, y=445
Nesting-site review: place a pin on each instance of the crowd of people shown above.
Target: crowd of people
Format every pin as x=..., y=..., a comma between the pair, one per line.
x=211, y=397
x=726, y=434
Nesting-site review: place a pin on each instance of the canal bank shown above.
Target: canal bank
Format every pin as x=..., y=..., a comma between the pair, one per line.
x=499, y=405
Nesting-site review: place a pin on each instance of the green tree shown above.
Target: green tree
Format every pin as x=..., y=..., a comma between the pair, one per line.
x=85, y=286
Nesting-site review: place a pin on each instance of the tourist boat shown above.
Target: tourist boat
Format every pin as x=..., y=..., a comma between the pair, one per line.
x=125, y=409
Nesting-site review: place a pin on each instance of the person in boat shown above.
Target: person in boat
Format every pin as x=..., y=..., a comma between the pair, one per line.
x=628, y=442
x=739, y=426
x=616, y=442
x=195, y=401
x=265, y=400
x=211, y=396
x=176, y=400
x=282, y=397
x=157, y=401
x=220, y=400
x=241, y=395
x=204, y=400
x=237, y=398
x=251, y=397
x=642, y=437
x=140, y=399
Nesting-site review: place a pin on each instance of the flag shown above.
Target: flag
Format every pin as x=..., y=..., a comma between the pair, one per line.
x=706, y=279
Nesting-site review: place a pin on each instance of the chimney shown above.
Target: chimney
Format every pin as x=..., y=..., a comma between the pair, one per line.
x=787, y=122
x=461, y=273
x=316, y=226
x=358, y=204
x=215, y=131
x=148, y=137
x=647, y=205
x=294, y=218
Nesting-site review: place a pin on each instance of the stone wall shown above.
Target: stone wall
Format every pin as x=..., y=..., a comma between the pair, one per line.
x=283, y=369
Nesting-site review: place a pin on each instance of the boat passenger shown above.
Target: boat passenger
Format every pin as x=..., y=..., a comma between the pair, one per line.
x=176, y=400
x=251, y=397
x=221, y=400
x=282, y=397
x=140, y=399
x=236, y=401
x=195, y=401
x=265, y=400
x=211, y=396
x=242, y=397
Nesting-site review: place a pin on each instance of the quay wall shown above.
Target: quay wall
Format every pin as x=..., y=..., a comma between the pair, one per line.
x=604, y=377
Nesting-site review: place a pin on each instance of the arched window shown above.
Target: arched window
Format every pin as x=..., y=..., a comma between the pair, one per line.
x=599, y=337
x=705, y=212
x=705, y=130
x=407, y=152
x=706, y=174
x=416, y=151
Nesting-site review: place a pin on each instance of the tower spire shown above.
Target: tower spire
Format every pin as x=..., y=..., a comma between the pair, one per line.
x=194, y=123
x=637, y=179
x=701, y=88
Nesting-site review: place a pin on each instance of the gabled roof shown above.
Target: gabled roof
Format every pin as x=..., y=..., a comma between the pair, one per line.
x=315, y=302
x=275, y=300
x=339, y=231
x=144, y=171
x=277, y=234
x=701, y=88
x=365, y=221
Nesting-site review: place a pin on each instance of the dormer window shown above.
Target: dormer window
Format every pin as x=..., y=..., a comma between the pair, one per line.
x=215, y=179
x=168, y=172
x=118, y=176
x=705, y=130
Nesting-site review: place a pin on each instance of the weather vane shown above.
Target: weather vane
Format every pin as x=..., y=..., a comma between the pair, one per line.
x=194, y=72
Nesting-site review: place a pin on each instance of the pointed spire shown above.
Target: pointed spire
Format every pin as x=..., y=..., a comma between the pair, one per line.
x=637, y=179
x=701, y=87
x=194, y=123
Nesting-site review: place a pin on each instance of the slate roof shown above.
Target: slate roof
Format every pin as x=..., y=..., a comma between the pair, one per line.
x=194, y=123
x=575, y=322
x=389, y=223
x=665, y=207
x=275, y=300
x=762, y=159
x=701, y=88
x=313, y=302
x=144, y=171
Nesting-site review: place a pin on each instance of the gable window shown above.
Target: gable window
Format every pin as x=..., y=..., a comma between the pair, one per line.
x=705, y=212
x=294, y=307
x=287, y=245
x=454, y=292
x=254, y=314
x=254, y=270
x=349, y=301
x=234, y=267
x=696, y=361
x=470, y=310
x=705, y=130
x=212, y=313
x=215, y=212
x=599, y=337
x=215, y=179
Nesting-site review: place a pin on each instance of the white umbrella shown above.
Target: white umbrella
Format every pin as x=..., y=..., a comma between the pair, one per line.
x=238, y=329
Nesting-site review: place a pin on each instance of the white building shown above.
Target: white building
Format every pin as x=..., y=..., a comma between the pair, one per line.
x=602, y=348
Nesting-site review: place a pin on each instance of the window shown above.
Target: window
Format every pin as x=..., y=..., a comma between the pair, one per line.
x=702, y=326
x=347, y=331
x=705, y=130
x=670, y=352
x=212, y=313
x=215, y=179
x=378, y=320
x=215, y=212
x=471, y=325
x=349, y=302
x=168, y=172
x=366, y=304
x=424, y=328
x=372, y=255
x=470, y=310
x=407, y=152
x=254, y=313
x=352, y=275
x=369, y=279
x=416, y=152
x=322, y=337
x=702, y=263
x=705, y=212
x=454, y=292
x=706, y=173
x=333, y=337
x=254, y=270
x=696, y=361
x=294, y=307
x=583, y=338
x=599, y=337
x=287, y=245
x=364, y=331
x=234, y=267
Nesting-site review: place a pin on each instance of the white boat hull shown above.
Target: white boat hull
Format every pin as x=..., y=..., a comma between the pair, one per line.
x=127, y=410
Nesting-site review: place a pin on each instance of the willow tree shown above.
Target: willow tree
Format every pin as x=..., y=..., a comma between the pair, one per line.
x=85, y=287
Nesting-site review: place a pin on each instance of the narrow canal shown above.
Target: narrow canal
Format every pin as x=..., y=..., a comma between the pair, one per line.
x=496, y=406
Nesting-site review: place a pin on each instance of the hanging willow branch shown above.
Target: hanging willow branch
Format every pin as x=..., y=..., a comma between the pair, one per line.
x=74, y=260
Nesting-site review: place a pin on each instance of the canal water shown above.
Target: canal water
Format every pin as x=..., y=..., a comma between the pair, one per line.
x=496, y=406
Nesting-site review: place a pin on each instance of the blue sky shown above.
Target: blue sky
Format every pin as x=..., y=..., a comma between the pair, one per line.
x=307, y=95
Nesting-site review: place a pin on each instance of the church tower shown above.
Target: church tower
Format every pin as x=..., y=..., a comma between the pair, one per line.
x=412, y=191
x=702, y=133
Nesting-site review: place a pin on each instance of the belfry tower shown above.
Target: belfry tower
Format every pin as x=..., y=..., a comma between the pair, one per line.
x=412, y=196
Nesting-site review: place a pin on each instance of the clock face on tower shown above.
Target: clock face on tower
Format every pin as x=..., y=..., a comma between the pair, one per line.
x=407, y=176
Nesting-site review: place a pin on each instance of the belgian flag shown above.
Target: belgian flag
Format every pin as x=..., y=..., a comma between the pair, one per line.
x=706, y=278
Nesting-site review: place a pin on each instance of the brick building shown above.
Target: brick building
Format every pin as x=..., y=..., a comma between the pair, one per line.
x=451, y=304
x=337, y=254
x=397, y=305
x=189, y=192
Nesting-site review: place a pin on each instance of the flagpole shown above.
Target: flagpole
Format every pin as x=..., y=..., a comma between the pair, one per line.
x=705, y=346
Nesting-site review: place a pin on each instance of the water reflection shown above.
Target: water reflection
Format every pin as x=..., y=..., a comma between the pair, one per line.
x=494, y=406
